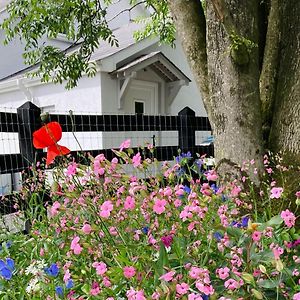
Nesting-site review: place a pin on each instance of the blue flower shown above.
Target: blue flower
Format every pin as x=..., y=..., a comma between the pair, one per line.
x=6, y=273
x=52, y=271
x=69, y=284
x=245, y=221
x=59, y=291
x=7, y=268
x=183, y=155
x=10, y=263
x=145, y=230
x=204, y=297
x=236, y=224
x=214, y=188
x=187, y=189
x=218, y=236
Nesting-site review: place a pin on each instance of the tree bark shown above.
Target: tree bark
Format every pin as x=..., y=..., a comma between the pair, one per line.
x=269, y=73
x=189, y=20
x=285, y=129
x=234, y=89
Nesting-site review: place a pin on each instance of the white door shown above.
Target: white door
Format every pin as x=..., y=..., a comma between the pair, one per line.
x=141, y=98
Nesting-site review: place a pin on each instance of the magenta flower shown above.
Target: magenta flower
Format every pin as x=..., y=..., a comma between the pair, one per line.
x=167, y=240
x=276, y=192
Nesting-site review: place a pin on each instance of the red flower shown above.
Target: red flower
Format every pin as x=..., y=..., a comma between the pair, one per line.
x=47, y=137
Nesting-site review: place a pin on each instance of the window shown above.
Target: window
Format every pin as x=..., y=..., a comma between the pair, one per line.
x=138, y=107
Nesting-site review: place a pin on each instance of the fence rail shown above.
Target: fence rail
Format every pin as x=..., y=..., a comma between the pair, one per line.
x=27, y=120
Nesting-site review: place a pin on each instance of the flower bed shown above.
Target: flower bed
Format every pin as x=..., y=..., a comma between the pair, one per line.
x=111, y=235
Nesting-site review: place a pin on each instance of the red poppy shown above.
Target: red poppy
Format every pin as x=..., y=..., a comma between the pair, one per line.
x=47, y=137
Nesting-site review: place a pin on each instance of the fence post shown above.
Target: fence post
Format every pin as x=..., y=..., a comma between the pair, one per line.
x=29, y=120
x=186, y=130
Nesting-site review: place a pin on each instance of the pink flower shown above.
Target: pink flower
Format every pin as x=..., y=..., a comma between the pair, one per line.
x=276, y=192
x=256, y=235
x=129, y=203
x=211, y=175
x=71, y=170
x=100, y=267
x=296, y=296
x=67, y=276
x=205, y=289
x=159, y=206
x=86, y=228
x=298, y=194
x=277, y=251
x=95, y=290
x=288, y=218
x=155, y=296
x=231, y=284
x=75, y=245
x=223, y=273
x=129, y=272
x=182, y=288
x=125, y=145
x=194, y=296
x=167, y=240
x=54, y=209
x=106, y=209
x=136, y=160
x=168, y=276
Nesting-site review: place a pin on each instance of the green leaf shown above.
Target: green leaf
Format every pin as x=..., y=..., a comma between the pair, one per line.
x=163, y=260
x=268, y=284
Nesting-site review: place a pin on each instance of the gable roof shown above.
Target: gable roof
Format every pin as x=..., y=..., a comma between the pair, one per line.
x=156, y=61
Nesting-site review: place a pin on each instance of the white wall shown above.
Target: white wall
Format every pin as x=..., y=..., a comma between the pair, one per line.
x=86, y=97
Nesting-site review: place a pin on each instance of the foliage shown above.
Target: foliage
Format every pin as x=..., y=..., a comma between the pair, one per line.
x=111, y=234
x=82, y=22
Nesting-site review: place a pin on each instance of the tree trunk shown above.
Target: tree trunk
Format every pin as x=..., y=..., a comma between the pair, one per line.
x=245, y=92
x=285, y=129
x=234, y=89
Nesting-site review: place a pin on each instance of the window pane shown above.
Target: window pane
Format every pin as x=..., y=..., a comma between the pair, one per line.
x=138, y=107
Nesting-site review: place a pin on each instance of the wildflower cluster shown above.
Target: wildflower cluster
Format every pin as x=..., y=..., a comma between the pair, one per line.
x=111, y=234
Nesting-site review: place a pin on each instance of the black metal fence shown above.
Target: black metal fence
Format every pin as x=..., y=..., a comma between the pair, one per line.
x=27, y=120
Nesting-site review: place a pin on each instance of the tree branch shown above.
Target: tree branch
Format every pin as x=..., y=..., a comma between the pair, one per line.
x=190, y=24
x=126, y=10
x=268, y=77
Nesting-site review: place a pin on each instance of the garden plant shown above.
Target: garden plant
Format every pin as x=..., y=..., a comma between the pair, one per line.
x=109, y=233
